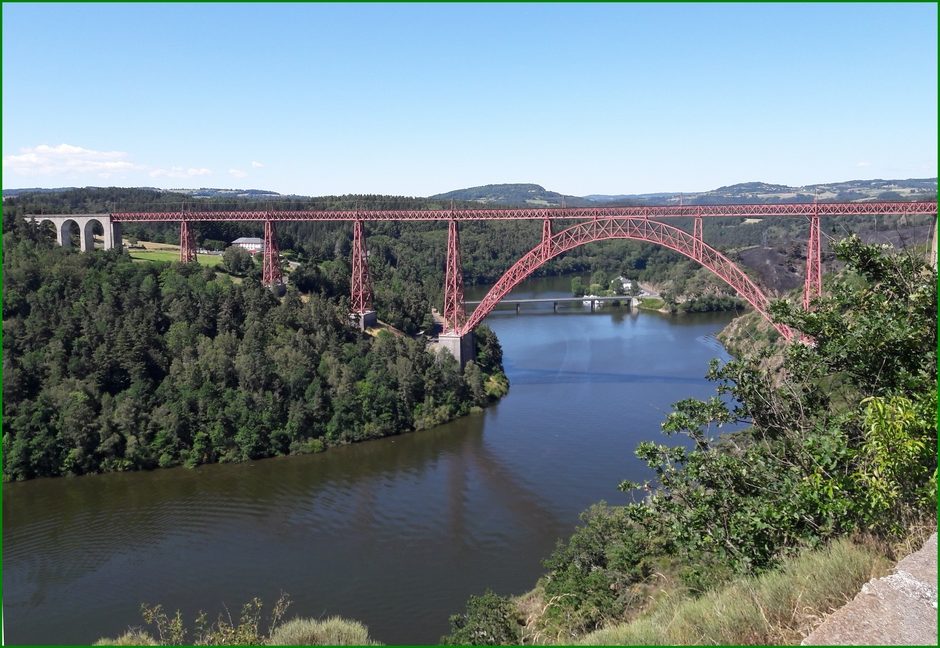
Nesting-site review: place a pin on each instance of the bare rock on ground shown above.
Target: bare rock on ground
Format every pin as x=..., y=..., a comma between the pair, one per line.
x=900, y=609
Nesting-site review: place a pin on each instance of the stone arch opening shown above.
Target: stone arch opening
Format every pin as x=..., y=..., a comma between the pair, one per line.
x=92, y=235
x=70, y=234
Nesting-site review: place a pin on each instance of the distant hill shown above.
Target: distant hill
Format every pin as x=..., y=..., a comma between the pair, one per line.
x=762, y=192
x=34, y=190
x=206, y=192
x=531, y=195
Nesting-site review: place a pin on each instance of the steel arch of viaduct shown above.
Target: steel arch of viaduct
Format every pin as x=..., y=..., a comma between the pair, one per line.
x=638, y=229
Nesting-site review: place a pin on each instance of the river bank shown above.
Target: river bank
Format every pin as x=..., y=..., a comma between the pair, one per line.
x=124, y=366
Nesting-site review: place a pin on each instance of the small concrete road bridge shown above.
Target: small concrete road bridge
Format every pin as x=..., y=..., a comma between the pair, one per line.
x=591, y=224
x=591, y=300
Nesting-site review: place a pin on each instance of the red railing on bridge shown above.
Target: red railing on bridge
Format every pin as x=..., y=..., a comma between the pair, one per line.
x=554, y=213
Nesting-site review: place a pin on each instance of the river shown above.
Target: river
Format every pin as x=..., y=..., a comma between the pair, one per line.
x=396, y=533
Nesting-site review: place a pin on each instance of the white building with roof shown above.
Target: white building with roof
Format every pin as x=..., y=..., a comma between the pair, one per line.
x=250, y=243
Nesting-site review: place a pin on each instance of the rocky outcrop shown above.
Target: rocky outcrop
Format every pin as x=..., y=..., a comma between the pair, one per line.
x=899, y=609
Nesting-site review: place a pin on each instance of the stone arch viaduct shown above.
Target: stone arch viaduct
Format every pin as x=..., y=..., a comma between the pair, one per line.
x=86, y=224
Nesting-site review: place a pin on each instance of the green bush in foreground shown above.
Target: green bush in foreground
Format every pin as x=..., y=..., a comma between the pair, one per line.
x=489, y=621
x=815, y=462
x=593, y=576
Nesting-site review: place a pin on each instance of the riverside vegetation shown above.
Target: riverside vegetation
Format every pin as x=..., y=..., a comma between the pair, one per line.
x=841, y=445
x=251, y=629
x=112, y=365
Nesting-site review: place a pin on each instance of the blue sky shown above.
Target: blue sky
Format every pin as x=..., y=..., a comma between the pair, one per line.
x=417, y=99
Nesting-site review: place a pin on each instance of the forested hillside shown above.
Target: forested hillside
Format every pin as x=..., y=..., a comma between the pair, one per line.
x=763, y=192
x=111, y=365
x=530, y=195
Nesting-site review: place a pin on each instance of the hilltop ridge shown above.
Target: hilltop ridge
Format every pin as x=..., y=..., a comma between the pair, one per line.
x=764, y=192
x=534, y=195
x=514, y=194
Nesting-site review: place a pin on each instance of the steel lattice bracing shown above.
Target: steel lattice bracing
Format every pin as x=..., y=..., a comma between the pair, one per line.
x=187, y=244
x=454, y=314
x=574, y=213
x=271, y=271
x=547, y=233
x=698, y=239
x=813, y=287
x=638, y=229
x=361, y=293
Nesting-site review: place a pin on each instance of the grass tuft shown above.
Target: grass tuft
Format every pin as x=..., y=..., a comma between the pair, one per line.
x=778, y=607
x=129, y=638
x=334, y=631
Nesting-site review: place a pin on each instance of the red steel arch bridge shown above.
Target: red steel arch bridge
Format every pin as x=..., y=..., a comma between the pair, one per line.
x=648, y=224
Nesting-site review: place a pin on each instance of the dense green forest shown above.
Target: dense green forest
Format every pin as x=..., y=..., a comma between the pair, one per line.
x=841, y=440
x=111, y=365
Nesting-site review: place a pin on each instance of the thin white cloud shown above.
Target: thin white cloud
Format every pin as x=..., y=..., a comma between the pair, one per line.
x=237, y=173
x=179, y=172
x=862, y=164
x=257, y=165
x=66, y=159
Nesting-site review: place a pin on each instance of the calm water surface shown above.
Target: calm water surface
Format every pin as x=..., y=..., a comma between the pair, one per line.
x=397, y=532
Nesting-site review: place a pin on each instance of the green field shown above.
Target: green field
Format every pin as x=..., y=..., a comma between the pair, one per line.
x=172, y=255
x=651, y=303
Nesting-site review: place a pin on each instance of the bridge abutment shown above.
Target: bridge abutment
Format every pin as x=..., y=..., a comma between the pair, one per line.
x=462, y=347
x=366, y=320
